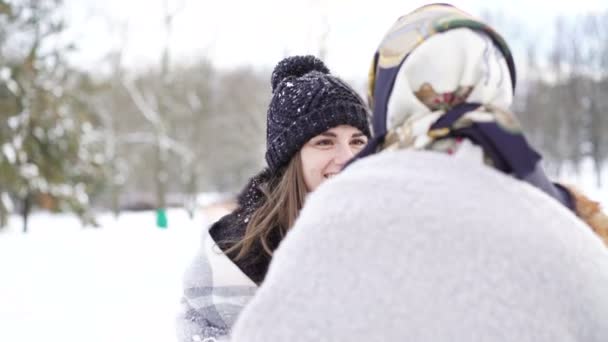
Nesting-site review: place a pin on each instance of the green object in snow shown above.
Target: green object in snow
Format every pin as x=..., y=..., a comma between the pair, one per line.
x=161, y=218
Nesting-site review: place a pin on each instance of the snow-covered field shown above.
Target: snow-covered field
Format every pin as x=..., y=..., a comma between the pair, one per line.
x=119, y=283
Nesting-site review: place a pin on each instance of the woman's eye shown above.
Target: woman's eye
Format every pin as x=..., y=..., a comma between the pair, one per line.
x=359, y=142
x=324, y=142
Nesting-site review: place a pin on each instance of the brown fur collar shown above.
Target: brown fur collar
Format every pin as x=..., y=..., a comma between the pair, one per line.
x=590, y=212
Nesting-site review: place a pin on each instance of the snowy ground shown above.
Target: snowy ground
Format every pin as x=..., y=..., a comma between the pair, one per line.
x=119, y=283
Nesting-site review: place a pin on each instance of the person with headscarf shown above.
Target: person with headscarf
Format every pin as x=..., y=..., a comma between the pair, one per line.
x=448, y=229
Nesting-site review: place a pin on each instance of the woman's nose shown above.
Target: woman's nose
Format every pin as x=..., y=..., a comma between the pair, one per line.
x=343, y=154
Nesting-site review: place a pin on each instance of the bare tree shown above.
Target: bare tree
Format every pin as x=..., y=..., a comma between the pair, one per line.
x=595, y=30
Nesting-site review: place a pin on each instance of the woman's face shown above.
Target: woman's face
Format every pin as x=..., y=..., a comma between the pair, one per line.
x=325, y=155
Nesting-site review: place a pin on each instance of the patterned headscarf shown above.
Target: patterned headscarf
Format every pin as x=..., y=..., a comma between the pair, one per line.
x=442, y=80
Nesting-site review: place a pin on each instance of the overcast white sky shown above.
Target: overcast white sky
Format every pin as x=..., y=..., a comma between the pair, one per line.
x=261, y=32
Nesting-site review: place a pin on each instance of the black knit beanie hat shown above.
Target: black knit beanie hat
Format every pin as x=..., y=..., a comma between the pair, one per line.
x=306, y=102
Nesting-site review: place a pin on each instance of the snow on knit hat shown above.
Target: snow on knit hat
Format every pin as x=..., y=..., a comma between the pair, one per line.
x=306, y=102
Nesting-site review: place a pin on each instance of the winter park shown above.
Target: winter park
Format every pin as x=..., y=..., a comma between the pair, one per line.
x=181, y=170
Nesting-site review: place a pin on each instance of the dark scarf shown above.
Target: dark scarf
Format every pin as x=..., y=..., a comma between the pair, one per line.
x=231, y=228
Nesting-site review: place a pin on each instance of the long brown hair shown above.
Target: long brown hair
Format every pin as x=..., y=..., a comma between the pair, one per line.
x=284, y=198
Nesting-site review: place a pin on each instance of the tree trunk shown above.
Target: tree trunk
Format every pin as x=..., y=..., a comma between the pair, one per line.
x=4, y=210
x=558, y=169
x=191, y=192
x=3, y=216
x=27, y=206
x=598, y=173
x=160, y=178
x=115, y=198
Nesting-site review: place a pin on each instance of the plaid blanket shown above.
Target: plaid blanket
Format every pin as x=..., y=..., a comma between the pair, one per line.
x=215, y=292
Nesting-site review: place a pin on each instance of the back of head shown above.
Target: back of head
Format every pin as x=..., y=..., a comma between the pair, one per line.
x=432, y=53
x=441, y=77
x=418, y=246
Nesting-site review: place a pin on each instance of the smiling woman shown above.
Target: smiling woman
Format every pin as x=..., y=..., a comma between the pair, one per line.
x=325, y=155
x=316, y=124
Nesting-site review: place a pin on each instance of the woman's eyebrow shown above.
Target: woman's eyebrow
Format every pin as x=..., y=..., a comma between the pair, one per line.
x=329, y=134
x=357, y=135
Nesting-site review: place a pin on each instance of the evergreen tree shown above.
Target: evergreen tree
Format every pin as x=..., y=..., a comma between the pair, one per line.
x=48, y=140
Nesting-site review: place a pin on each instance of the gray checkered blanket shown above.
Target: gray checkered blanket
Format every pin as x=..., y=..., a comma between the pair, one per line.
x=215, y=292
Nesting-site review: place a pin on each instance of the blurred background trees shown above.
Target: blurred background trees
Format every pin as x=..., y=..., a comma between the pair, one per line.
x=117, y=138
x=564, y=106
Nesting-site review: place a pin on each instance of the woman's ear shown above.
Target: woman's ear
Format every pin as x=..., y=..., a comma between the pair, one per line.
x=590, y=212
